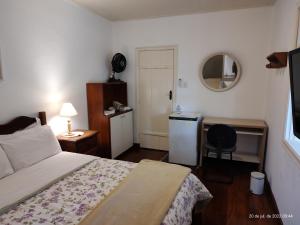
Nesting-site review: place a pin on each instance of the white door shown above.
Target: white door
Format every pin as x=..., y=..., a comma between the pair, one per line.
x=156, y=70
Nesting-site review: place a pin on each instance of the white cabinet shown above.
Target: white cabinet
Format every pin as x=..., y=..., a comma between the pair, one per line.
x=127, y=130
x=121, y=133
x=116, y=135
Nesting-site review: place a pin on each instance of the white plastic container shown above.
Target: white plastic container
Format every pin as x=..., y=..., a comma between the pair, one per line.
x=257, y=183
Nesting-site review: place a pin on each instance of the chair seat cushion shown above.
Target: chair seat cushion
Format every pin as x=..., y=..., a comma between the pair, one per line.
x=223, y=150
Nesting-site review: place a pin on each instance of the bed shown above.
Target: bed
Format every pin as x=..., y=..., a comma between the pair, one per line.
x=68, y=188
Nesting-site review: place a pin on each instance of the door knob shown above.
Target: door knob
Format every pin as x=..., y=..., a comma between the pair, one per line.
x=170, y=94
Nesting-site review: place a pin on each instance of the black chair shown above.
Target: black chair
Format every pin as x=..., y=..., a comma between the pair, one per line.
x=221, y=139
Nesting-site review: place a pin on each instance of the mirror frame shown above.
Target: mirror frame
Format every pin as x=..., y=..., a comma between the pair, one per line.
x=238, y=76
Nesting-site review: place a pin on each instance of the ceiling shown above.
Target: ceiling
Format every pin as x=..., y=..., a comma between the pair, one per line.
x=140, y=9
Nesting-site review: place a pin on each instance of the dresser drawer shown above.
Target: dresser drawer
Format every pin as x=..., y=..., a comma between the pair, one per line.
x=87, y=144
x=68, y=146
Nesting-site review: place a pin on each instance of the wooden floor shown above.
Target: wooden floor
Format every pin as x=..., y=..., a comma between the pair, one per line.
x=232, y=204
x=137, y=154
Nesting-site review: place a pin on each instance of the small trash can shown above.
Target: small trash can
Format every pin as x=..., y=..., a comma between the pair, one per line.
x=257, y=183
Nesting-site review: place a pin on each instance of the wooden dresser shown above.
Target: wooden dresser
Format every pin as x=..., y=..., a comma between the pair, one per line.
x=115, y=131
x=85, y=144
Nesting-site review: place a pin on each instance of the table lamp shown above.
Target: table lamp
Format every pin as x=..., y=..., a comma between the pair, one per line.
x=68, y=110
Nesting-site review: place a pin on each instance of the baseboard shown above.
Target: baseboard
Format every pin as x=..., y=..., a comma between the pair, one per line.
x=136, y=146
x=269, y=189
x=165, y=158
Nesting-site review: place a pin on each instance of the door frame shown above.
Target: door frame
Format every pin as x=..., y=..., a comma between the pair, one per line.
x=137, y=80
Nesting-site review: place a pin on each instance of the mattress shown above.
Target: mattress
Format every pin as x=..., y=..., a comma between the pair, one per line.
x=65, y=188
x=26, y=182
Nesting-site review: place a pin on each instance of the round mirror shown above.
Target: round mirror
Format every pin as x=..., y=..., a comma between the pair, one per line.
x=220, y=72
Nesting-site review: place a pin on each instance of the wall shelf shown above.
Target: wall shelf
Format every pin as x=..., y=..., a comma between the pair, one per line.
x=277, y=60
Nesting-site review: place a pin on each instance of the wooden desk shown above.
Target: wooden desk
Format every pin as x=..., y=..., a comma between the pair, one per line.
x=258, y=128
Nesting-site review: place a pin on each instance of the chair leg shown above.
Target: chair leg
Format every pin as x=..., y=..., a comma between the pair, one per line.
x=206, y=173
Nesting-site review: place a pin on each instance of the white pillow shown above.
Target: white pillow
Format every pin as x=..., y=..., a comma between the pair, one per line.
x=5, y=166
x=37, y=123
x=30, y=146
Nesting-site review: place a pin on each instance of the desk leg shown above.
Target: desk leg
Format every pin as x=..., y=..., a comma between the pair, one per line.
x=201, y=145
x=262, y=150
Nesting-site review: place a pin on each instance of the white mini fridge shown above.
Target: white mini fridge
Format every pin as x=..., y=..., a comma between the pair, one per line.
x=183, y=138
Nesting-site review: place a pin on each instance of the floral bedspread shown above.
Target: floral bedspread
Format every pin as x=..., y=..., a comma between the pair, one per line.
x=72, y=198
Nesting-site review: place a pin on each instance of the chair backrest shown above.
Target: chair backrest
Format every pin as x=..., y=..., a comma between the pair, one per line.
x=221, y=136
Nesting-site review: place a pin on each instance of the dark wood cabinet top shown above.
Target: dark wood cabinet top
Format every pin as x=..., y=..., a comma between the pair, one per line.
x=86, y=134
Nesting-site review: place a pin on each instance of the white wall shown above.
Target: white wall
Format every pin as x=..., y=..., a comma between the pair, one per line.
x=283, y=170
x=243, y=33
x=50, y=49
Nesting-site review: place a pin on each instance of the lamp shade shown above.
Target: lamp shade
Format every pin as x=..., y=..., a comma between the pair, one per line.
x=68, y=110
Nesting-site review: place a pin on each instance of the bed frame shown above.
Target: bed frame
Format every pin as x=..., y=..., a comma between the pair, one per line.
x=21, y=122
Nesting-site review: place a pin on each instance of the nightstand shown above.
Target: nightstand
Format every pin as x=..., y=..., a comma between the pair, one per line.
x=84, y=144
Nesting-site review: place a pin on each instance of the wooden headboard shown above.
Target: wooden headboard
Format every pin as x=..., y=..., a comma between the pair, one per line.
x=21, y=122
